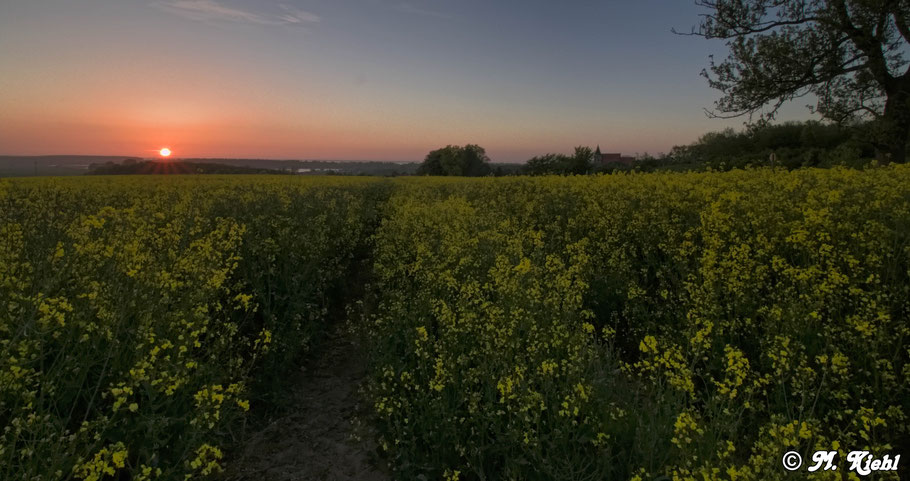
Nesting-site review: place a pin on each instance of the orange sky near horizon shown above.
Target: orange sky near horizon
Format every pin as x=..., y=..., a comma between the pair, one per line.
x=134, y=123
x=365, y=81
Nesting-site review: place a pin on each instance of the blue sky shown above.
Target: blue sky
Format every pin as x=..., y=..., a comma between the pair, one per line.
x=352, y=79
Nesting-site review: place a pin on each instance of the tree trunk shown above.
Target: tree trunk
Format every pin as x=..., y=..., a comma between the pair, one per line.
x=896, y=123
x=899, y=151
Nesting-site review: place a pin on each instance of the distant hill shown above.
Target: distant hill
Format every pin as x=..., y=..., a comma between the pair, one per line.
x=131, y=167
x=17, y=166
x=349, y=167
x=47, y=165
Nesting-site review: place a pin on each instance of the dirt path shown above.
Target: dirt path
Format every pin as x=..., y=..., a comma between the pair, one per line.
x=321, y=438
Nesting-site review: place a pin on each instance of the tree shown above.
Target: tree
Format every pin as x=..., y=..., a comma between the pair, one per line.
x=469, y=161
x=559, y=164
x=547, y=164
x=582, y=162
x=849, y=53
x=793, y=144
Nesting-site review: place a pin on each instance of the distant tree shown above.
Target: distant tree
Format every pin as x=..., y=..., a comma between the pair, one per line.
x=559, y=164
x=849, y=53
x=582, y=162
x=547, y=164
x=453, y=160
x=475, y=161
x=794, y=144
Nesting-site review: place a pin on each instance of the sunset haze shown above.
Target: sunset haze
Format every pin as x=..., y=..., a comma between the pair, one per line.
x=359, y=79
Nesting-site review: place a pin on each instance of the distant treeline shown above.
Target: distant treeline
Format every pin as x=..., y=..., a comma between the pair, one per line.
x=791, y=145
x=316, y=167
x=65, y=165
x=134, y=167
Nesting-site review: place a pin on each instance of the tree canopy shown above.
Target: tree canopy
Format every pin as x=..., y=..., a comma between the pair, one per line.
x=580, y=163
x=793, y=145
x=469, y=161
x=851, y=54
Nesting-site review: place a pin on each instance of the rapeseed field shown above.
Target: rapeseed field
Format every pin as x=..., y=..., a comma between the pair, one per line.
x=625, y=327
x=640, y=327
x=142, y=315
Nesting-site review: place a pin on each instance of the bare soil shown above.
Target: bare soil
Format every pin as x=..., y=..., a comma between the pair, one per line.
x=322, y=437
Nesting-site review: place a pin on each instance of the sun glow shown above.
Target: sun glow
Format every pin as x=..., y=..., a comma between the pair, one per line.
x=165, y=152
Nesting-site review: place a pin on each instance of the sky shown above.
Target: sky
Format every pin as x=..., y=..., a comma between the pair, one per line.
x=352, y=79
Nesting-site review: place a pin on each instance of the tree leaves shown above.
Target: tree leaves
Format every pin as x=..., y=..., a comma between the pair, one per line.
x=849, y=54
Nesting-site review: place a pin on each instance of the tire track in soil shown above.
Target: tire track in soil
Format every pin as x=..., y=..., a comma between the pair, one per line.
x=322, y=438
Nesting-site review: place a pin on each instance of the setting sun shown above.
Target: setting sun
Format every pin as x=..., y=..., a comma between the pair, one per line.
x=165, y=152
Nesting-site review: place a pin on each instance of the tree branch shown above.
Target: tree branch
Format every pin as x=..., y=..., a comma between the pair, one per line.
x=880, y=32
x=865, y=42
x=740, y=29
x=860, y=108
x=901, y=24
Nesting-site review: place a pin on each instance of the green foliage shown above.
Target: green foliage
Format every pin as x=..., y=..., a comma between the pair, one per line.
x=693, y=326
x=793, y=145
x=547, y=164
x=849, y=54
x=453, y=160
x=142, y=315
x=559, y=164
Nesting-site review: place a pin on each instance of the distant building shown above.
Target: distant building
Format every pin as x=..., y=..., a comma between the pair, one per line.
x=611, y=158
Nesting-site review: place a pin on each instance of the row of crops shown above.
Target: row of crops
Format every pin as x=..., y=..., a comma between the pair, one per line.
x=626, y=327
x=141, y=316
x=693, y=326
